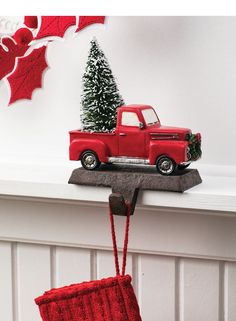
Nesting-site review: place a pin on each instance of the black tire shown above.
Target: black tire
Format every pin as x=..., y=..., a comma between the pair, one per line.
x=165, y=165
x=182, y=167
x=89, y=160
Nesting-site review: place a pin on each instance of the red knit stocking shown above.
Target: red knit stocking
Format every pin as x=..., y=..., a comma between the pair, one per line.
x=110, y=299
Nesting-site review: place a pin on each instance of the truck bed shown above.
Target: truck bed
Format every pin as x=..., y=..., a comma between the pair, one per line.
x=109, y=139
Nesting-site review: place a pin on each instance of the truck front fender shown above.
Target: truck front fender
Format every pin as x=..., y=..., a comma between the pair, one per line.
x=78, y=146
x=174, y=149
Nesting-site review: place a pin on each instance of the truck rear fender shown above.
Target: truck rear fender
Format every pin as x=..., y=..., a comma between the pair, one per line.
x=78, y=146
x=176, y=150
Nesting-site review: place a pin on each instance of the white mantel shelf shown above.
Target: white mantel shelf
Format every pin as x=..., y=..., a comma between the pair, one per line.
x=48, y=183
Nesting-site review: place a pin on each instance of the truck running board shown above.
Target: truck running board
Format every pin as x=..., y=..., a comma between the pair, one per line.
x=128, y=160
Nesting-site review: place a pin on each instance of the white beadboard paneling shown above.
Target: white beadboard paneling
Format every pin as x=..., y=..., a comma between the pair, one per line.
x=72, y=265
x=183, y=263
x=199, y=290
x=157, y=287
x=230, y=291
x=6, y=282
x=33, y=278
x=168, y=288
x=106, y=264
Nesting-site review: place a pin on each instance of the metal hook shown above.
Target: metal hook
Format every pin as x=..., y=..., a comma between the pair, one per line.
x=118, y=201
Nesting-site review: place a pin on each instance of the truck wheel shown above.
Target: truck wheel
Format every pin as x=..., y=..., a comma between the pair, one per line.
x=89, y=160
x=181, y=167
x=165, y=165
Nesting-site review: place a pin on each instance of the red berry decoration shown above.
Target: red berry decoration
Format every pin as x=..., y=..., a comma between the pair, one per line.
x=23, y=36
x=31, y=21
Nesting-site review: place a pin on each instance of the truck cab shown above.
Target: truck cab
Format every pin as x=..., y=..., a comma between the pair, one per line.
x=139, y=138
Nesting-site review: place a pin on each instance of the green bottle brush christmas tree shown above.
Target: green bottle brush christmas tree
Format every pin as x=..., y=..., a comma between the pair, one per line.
x=101, y=96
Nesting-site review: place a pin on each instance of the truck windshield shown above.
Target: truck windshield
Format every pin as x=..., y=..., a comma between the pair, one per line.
x=150, y=116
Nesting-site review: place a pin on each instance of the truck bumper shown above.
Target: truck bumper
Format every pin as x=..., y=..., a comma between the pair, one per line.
x=185, y=163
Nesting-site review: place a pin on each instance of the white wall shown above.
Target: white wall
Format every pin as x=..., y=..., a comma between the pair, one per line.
x=184, y=66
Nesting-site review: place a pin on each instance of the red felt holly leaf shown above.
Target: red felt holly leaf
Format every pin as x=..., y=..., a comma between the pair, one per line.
x=55, y=26
x=31, y=21
x=27, y=75
x=85, y=21
x=9, y=50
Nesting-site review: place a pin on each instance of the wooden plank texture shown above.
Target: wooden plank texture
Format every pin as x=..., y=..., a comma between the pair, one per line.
x=157, y=287
x=33, y=278
x=199, y=290
x=106, y=265
x=6, y=282
x=167, y=288
x=72, y=266
x=230, y=291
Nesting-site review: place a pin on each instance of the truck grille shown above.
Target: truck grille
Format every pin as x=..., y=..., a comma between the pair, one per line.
x=163, y=136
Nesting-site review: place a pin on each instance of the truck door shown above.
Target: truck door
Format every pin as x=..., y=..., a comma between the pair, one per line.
x=131, y=137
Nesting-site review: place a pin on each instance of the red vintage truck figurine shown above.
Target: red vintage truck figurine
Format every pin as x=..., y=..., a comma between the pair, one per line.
x=139, y=138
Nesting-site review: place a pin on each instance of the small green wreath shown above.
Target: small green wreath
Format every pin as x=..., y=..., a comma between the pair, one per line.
x=195, y=146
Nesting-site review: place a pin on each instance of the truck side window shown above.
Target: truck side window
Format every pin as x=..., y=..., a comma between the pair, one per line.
x=129, y=119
